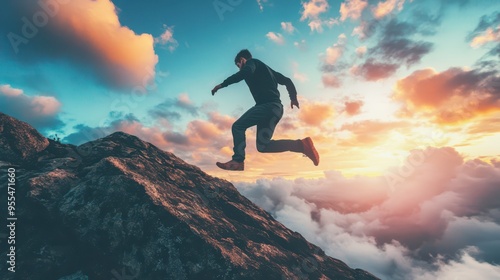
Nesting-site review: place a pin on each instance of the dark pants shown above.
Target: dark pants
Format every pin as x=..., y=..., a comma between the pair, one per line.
x=265, y=117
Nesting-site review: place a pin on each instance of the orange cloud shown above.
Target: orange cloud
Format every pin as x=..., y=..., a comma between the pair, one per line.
x=352, y=9
x=450, y=96
x=384, y=8
x=369, y=132
x=489, y=35
x=330, y=80
x=313, y=9
x=150, y=134
x=353, y=107
x=86, y=33
x=315, y=114
x=129, y=58
x=200, y=131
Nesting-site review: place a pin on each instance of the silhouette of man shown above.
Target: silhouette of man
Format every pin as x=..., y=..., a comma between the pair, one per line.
x=267, y=112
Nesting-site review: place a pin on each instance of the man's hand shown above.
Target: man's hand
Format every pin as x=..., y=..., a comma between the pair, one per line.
x=295, y=103
x=216, y=88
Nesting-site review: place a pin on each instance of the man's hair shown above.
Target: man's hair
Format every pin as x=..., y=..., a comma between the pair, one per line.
x=243, y=53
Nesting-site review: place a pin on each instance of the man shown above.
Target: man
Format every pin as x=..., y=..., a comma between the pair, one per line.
x=268, y=110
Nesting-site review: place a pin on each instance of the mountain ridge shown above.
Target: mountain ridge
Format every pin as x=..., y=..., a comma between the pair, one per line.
x=121, y=205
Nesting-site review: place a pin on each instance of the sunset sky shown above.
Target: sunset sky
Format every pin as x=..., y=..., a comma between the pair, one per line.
x=401, y=97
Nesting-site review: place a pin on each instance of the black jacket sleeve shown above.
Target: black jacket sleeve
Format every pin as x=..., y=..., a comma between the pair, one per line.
x=290, y=87
x=246, y=71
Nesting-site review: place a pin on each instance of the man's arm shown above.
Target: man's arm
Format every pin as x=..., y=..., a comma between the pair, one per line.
x=290, y=87
x=246, y=71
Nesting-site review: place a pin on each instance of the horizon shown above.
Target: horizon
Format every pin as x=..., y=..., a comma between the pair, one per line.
x=401, y=98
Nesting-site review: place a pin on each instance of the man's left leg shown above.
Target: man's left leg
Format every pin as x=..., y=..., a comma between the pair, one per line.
x=265, y=144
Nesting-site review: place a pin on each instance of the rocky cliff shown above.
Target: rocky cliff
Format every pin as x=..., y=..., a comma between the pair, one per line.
x=120, y=208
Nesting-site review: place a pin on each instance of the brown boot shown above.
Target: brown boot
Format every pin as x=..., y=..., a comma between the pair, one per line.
x=232, y=165
x=310, y=151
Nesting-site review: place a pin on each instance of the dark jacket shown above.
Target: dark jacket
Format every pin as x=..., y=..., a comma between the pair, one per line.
x=262, y=81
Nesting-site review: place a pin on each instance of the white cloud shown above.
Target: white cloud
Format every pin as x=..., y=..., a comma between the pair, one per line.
x=421, y=227
x=287, y=27
x=301, y=45
x=167, y=38
x=276, y=37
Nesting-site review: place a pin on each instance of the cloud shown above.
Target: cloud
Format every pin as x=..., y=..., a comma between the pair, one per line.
x=467, y=267
x=403, y=50
x=397, y=47
x=170, y=107
x=368, y=132
x=487, y=31
x=373, y=71
x=301, y=45
x=385, y=8
x=313, y=9
x=334, y=53
x=451, y=96
x=261, y=4
x=489, y=35
x=361, y=51
x=441, y=218
x=330, y=80
x=365, y=30
x=287, y=27
x=314, y=114
x=352, y=9
x=316, y=25
x=167, y=38
x=85, y=33
x=393, y=49
x=353, y=107
x=40, y=111
x=276, y=37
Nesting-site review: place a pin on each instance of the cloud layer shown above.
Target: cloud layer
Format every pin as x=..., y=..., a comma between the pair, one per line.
x=435, y=216
x=450, y=96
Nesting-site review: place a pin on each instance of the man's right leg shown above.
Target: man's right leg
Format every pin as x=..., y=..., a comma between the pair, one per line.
x=250, y=118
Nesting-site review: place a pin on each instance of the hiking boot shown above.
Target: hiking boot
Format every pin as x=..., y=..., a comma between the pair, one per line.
x=310, y=151
x=232, y=165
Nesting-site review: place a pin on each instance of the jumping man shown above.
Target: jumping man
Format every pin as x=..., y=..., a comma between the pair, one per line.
x=267, y=112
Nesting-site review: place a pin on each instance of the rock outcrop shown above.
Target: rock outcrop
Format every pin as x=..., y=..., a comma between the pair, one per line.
x=120, y=208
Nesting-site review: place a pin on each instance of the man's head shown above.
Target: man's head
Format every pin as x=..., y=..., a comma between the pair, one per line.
x=242, y=57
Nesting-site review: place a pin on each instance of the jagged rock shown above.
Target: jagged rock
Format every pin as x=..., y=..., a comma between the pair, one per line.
x=120, y=208
x=19, y=141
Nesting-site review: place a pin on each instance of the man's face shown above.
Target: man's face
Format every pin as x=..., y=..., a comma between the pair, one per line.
x=240, y=63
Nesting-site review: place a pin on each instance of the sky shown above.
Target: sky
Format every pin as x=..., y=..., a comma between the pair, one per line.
x=401, y=98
